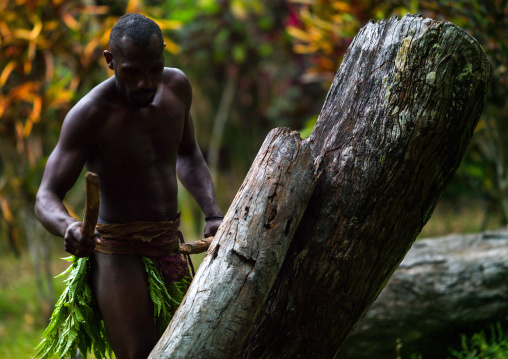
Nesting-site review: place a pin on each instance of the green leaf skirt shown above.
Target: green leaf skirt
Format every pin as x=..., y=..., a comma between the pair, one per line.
x=76, y=322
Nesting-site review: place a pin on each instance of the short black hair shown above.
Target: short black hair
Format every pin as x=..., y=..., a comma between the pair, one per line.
x=136, y=27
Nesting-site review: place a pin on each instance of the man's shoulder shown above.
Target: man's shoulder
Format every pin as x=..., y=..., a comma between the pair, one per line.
x=101, y=96
x=92, y=107
x=176, y=80
x=97, y=100
x=172, y=74
x=174, y=77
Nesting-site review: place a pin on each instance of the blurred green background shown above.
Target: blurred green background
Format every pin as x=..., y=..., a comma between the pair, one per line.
x=253, y=64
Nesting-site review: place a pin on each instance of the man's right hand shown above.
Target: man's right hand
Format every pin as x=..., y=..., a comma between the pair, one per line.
x=76, y=243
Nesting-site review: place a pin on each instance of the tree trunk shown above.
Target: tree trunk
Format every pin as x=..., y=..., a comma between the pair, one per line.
x=234, y=279
x=444, y=287
x=392, y=132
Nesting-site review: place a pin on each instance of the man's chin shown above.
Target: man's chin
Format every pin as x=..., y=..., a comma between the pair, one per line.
x=141, y=102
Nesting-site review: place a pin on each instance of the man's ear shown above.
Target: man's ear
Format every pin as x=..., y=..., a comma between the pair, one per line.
x=109, y=59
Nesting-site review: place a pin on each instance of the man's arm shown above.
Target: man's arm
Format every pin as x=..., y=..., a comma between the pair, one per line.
x=193, y=172
x=62, y=169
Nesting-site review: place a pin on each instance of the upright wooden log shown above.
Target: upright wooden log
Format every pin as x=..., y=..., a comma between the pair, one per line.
x=393, y=130
x=234, y=279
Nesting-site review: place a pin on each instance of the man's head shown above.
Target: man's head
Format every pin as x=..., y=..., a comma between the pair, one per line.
x=136, y=55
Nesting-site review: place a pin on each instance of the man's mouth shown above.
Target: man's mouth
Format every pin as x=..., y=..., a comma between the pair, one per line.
x=144, y=94
x=143, y=97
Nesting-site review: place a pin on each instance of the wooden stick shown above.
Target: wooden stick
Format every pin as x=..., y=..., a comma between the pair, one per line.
x=196, y=247
x=91, y=213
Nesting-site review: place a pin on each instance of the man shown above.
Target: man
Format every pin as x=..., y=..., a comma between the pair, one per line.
x=136, y=132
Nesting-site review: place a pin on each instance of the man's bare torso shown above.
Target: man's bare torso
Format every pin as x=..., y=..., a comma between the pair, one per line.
x=135, y=131
x=134, y=151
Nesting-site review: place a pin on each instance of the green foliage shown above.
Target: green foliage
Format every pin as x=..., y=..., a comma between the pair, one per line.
x=75, y=323
x=308, y=127
x=51, y=56
x=239, y=50
x=479, y=346
x=323, y=29
x=48, y=55
x=166, y=300
x=485, y=167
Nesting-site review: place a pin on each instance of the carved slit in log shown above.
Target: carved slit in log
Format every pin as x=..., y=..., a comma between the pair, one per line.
x=393, y=130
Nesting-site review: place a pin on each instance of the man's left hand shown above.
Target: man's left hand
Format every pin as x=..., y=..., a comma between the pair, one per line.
x=211, y=227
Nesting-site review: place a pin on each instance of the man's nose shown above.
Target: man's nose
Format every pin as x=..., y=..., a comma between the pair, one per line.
x=145, y=82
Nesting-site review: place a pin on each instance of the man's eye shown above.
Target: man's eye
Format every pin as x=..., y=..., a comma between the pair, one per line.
x=129, y=71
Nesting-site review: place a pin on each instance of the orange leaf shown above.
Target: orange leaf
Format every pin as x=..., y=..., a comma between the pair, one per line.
x=168, y=24
x=21, y=34
x=36, y=30
x=6, y=72
x=4, y=205
x=341, y=6
x=95, y=9
x=4, y=104
x=70, y=21
x=304, y=49
x=89, y=49
x=171, y=46
x=36, y=112
x=298, y=33
x=4, y=30
x=50, y=65
x=132, y=6
x=27, y=129
x=27, y=66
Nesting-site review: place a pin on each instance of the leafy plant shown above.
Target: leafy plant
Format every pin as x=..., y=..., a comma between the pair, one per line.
x=166, y=300
x=479, y=346
x=75, y=324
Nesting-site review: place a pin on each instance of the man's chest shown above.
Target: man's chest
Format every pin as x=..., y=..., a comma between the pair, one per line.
x=140, y=139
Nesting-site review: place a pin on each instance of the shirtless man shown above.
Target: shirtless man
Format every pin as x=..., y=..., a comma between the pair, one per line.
x=136, y=132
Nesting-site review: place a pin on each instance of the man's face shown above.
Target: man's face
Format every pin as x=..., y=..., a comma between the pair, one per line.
x=138, y=71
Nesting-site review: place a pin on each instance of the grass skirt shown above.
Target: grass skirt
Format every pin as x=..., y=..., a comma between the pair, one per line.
x=76, y=322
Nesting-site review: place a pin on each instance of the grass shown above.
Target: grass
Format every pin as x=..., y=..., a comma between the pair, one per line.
x=23, y=317
x=21, y=322
x=464, y=217
x=482, y=346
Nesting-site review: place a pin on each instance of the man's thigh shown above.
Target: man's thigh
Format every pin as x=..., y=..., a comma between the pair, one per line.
x=121, y=290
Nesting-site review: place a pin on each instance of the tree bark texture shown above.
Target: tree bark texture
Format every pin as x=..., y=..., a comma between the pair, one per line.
x=444, y=287
x=235, y=277
x=393, y=129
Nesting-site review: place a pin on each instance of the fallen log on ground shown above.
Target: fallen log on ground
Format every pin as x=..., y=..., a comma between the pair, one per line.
x=393, y=130
x=443, y=288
